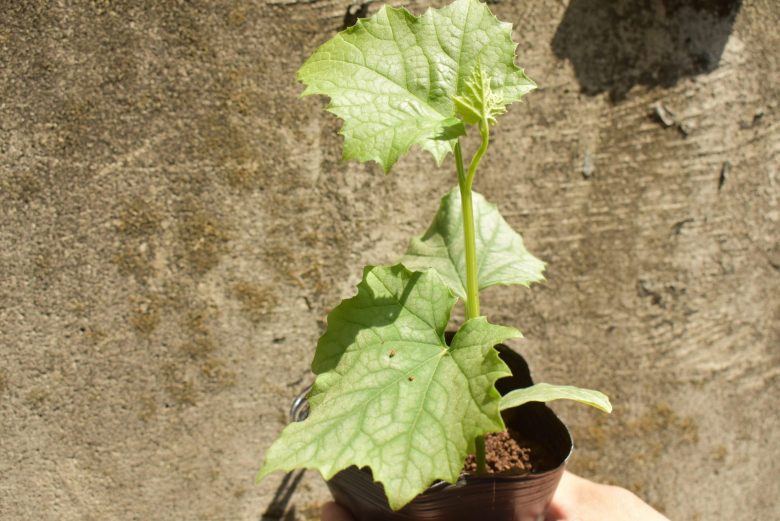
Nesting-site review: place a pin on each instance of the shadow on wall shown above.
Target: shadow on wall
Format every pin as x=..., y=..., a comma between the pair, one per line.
x=616, y=44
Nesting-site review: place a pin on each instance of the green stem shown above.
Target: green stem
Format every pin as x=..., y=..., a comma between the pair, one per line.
x=484, y=130
x=480, y=444
x=465, y=182
x=472, y=284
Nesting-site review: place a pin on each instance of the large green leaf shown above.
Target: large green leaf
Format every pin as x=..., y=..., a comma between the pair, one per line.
x=501, y=254
x=391, y=394
x=391, y=77
x=547, y=392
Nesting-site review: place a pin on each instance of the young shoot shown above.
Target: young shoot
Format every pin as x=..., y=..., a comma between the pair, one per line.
x=391, y=393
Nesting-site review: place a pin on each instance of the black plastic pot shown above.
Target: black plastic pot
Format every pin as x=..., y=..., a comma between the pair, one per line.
x=472, y=498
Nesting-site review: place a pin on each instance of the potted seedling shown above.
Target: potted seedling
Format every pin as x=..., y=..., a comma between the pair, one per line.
x=399, y=405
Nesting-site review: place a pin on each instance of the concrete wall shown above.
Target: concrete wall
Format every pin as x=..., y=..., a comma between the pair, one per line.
x=176, y=223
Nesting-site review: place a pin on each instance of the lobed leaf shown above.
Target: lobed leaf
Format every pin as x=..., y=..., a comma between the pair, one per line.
x=391, y=395
x=501, y=254
x=547, y=392
x=392, y=77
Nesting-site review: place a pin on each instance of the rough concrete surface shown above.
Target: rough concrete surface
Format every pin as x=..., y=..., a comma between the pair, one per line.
x=176, y=222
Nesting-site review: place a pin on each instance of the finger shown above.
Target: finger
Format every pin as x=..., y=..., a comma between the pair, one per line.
x=553, y=514
x=334, y=512
x=563, y=503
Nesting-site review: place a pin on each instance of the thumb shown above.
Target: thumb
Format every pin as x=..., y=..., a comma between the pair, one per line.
x=557, y=516
x=335, y=512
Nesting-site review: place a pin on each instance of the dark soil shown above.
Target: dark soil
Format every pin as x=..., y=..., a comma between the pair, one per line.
x=512, y=454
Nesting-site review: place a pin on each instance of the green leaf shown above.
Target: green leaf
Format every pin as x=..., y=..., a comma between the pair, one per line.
x=478, y=102
x=392, y=77
x=547, y=392
x=501, y=254
x=391, y=394
x=450, y=128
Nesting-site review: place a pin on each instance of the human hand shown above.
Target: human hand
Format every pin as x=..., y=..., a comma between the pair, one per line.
x=335, y=512
x=578, y=499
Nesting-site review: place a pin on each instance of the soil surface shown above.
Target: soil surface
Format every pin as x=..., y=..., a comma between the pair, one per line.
x=512, y=454
x=176, y=222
